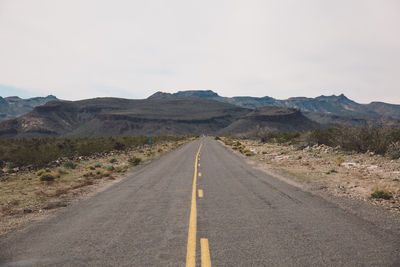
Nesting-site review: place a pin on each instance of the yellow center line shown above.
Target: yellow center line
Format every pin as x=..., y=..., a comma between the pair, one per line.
x=205, y=253
x=201, y=193
x=191, y=244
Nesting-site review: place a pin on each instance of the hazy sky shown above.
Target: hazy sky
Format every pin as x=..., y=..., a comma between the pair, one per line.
x=79, y=49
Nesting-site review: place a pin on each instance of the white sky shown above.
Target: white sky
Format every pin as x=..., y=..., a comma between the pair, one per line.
x=79, y=49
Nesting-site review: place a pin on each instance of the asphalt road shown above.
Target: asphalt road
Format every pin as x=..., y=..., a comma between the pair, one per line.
x=246, y=217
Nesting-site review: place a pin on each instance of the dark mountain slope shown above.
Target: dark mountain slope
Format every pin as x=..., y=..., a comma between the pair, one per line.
x=271, y=119
x=116, y=117
x=13, y=106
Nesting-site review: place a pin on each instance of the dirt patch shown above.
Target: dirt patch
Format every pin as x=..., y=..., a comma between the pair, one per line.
x=367, y=177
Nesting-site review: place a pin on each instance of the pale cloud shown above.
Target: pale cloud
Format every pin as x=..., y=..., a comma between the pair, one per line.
x=78, y=49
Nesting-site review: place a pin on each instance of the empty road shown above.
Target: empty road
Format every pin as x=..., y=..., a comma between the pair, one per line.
x=201, y=205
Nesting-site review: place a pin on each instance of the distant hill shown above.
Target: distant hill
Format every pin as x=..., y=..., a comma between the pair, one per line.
x=157, y=116
x=323, y=109
x=13, y=106
x=271, y=119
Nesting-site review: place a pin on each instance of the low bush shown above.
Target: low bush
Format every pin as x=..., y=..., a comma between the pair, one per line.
x=394, y=150
x=331, y=171
x=40, y=172
x=248, y=153
x=113, y=160
x=48, y=177
x=134, y=160
x=110, y=168
x=339, y=161
x=70, y=165
x=381, y=194
x=87, y=174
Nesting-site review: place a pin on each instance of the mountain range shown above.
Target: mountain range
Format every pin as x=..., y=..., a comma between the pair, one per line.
x=166, y=116
x=323, y=109
x=184, y=112
x=13, y=106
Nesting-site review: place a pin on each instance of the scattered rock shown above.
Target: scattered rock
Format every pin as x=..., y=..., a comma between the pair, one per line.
x=372, y=167
x=349, y=165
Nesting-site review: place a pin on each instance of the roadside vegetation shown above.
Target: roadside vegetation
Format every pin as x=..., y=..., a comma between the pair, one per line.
x=39, y=153
x=378, y=140
x=60, y=176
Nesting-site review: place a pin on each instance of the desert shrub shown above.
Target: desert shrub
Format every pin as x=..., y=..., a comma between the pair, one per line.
x=248, y=153
x=159, y=150
x=90, y=167
x=339, y=161
x=48, y=177
x=217, y=138
x=381, y=194
x=97, y=165
x=134, y=160
x=40, y=172
x=70, y=165
x=331, y=171
x=113, y=160
x=87, y=174
x=394, y=150
x=110, y=168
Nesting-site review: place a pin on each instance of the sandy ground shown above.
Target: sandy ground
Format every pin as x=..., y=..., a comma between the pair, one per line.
x=342, y=174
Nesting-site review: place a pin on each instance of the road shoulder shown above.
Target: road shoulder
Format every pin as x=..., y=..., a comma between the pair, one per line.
x=379, y=217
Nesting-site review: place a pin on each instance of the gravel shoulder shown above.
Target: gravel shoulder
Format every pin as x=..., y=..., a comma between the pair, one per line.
x=346, y=179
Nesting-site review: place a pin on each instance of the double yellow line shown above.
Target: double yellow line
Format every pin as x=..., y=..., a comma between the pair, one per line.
x=191, y=244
